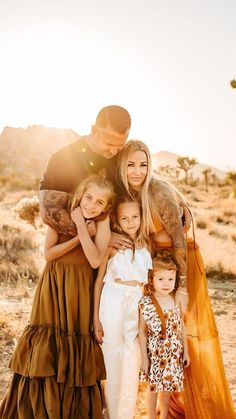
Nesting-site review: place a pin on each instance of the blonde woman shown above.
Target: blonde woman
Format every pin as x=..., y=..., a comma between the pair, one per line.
x=166, y=219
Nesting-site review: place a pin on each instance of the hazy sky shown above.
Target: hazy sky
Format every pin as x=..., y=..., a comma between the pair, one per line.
x=168, y=62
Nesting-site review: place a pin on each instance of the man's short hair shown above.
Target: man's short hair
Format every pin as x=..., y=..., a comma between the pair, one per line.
x=114, y=116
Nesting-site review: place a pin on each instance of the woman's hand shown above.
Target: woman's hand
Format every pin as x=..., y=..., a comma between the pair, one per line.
x=181, y=297
x=98, y=331
x=119, y=242
x=144, y=367
x=186, y=359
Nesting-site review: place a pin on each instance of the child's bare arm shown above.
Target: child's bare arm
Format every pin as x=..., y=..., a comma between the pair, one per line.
x=97, y=326
x=184, y=334
x=142, y=336
x=94, y=250
x=186, y=357
x=53, y=250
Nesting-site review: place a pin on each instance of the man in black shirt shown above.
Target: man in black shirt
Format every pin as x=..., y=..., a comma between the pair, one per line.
x=89, y=154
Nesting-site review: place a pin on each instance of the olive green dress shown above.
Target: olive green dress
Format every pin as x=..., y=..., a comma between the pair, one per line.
x=57, y=362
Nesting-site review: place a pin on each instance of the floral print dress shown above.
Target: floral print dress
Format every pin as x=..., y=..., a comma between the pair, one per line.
x=165, y=353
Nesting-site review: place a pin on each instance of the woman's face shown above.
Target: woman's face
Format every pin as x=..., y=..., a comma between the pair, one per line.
x=137, y=167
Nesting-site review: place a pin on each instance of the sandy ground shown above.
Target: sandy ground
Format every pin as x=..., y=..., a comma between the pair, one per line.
x=15, y=309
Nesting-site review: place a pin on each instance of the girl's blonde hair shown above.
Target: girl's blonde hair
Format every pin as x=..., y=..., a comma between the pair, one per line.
x=162, y=260
x=102, y=182
x=125, y=199
x=147, y=195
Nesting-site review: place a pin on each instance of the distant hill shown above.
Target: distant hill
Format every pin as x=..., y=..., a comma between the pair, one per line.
x=25, y=151
x=165, y=158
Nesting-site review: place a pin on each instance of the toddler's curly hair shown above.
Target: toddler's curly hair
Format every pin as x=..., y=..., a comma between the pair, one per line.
x=162, y=260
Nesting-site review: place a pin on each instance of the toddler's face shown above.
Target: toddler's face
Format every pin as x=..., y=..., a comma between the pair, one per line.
x=164, y=281
x=94, y=201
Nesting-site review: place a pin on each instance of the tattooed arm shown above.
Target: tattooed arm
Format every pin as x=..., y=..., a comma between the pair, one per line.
x=169, y=212
x=53, y=210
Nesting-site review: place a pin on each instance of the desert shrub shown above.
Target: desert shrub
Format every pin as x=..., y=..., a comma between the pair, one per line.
x=213, y=231
x=233, y=237
x=201, y=224
x=16, y=271
x=221, y=220
x=17, y=256
x=15, y=182
x=14, y=239
x=28, y=209
x=218, y=273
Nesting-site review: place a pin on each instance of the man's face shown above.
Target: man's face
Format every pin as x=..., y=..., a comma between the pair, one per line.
x=108, y=142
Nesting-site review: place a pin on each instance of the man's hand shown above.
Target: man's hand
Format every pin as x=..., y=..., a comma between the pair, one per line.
x=119, y=242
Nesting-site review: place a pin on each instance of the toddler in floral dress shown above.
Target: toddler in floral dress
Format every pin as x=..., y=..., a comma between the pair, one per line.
x=162, y=337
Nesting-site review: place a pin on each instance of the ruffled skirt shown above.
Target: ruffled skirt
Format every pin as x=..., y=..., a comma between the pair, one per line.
x=57, y=362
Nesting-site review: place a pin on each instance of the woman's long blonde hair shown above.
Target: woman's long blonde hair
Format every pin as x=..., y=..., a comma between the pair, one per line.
x=147, y=194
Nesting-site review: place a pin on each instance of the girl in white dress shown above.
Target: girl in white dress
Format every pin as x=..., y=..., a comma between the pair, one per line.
x=118, y=290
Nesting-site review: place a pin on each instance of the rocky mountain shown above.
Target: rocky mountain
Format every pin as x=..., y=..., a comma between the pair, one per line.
x=25, y=151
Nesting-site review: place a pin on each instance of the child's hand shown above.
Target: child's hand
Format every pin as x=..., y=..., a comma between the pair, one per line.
x=144, y=367
x=91, y=227
x=186, y=359
x=77, y=217
x=98, y=331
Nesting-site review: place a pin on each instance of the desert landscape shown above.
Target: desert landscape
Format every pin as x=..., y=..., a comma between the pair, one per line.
x=21, y=242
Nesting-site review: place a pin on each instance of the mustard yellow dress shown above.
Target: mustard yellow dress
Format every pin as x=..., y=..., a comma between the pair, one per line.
x=57, y=362
x=206, y=392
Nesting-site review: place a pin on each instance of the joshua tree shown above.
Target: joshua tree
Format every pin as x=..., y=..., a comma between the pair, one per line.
x=185, y=164
x=164, y=171
x=233, y=84
x=231, y=176
x=206, y=173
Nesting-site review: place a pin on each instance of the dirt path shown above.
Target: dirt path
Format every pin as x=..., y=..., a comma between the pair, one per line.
x=15, y=309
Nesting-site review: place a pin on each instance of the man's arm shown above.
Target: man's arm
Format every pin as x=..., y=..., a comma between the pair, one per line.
x=54, y=193
x=54, y=212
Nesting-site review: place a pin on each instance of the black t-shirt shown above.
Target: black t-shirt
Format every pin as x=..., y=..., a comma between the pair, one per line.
x=71, y=164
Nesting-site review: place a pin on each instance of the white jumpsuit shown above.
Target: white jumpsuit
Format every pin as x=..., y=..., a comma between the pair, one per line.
x=119, y=317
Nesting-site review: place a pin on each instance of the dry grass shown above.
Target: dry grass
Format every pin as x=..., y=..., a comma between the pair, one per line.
x=21, y=255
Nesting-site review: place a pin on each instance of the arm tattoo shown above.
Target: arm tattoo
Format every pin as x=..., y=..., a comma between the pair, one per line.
x=170, y=215
x=54, y=212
